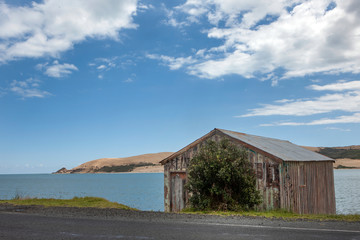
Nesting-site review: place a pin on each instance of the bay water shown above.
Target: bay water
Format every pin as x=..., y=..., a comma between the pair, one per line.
x=144, y=191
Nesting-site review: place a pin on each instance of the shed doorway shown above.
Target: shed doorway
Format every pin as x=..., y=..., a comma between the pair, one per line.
x=178, y=194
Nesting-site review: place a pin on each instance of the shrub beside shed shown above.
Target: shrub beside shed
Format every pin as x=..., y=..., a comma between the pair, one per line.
x=288, y=176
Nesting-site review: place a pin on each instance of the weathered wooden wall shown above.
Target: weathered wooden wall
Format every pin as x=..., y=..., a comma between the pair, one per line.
x=267, y=179
x=308, y=187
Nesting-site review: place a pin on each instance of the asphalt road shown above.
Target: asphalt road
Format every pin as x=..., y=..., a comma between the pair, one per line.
x=103, y=224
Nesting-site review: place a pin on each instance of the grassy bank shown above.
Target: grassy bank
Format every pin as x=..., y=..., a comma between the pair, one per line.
x=279, y=214
x=94, y=202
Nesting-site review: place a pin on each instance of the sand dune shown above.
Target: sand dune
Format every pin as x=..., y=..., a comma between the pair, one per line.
x=154, y=158
x=347, y=162
x=95, y=165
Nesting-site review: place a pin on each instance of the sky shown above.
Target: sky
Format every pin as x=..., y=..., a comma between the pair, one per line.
x=86, y=79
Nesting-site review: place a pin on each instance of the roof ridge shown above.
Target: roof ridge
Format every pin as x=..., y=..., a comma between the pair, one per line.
x=251, y=135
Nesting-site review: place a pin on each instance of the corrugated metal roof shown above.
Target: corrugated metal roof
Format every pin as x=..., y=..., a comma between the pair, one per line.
x=285, y=150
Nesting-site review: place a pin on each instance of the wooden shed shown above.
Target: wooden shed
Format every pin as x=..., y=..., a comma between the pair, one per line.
x=288, y=176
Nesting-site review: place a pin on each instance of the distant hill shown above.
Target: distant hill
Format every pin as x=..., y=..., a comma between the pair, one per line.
x=351, y=152
x=345, y=157
x=141, y=163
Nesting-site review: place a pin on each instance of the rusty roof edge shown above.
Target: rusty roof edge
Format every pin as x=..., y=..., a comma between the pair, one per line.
x=187, y=147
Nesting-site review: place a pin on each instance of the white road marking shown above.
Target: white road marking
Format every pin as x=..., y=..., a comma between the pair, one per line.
x=285, y=228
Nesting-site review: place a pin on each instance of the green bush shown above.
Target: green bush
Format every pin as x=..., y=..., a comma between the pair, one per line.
x=220, y=177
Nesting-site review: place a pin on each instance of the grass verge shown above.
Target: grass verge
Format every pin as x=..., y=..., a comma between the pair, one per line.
x=94, y=202
x=281, y=214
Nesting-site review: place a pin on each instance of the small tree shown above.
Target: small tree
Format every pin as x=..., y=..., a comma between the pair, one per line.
x=220, y=177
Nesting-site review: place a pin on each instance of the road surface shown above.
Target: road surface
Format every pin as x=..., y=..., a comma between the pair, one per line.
x=74, y=223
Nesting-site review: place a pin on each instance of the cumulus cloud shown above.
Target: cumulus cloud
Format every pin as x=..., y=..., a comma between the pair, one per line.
x=347, y=99
x=299, y=37
x=51, y=27
x=29, y=88
x=56, y=69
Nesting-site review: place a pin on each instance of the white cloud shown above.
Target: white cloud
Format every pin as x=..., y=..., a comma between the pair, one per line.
x=339, y=86
x=172, y=18
x=300, y=37
x=101, y=67
x=171, y=62
x=355, y=118
x=230, y=10
x=347, y=100
x=104, y=64
x=57, y=70
x=338, y=129
x=51, y=27
x=28, y=89
x=144, y=7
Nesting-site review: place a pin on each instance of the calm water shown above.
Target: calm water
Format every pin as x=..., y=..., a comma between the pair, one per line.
x=347, y=191
x=141, y=190
x=144, y=191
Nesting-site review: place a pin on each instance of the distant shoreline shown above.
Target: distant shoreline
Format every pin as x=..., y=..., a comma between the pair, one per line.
x=150, y=163
x=340, y=164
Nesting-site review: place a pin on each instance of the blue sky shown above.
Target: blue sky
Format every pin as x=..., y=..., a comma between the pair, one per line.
x=82, y=80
